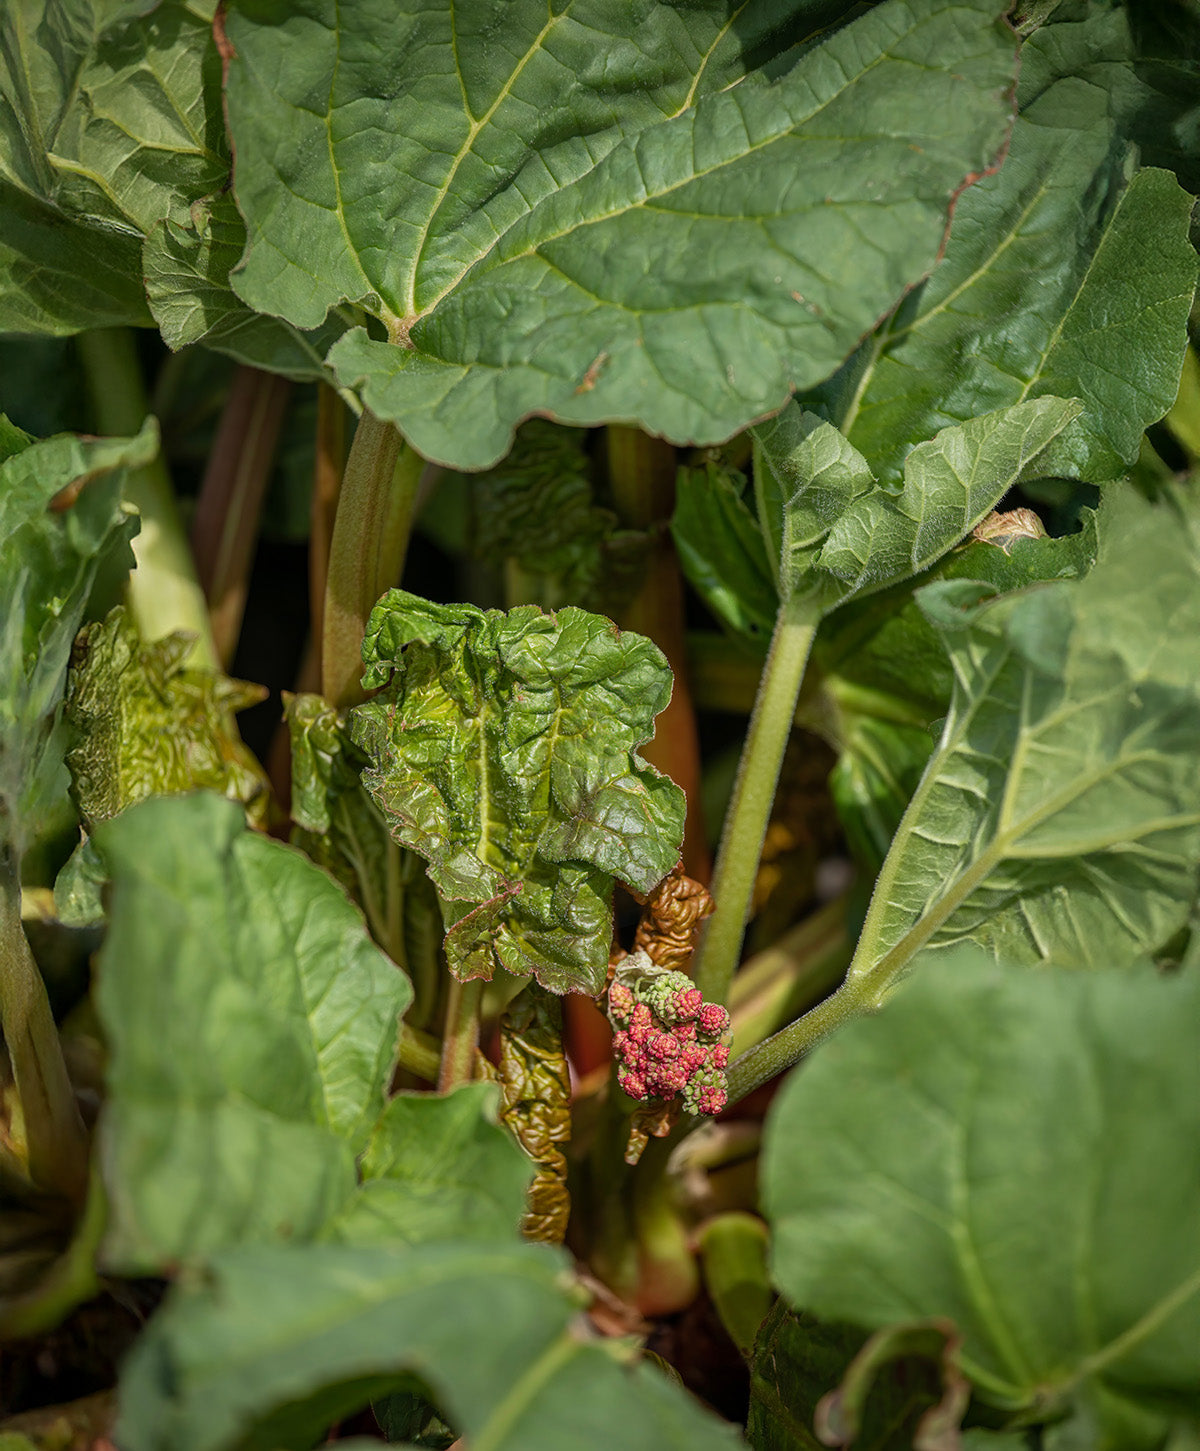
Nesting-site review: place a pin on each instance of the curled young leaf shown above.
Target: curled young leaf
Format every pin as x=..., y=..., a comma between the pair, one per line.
x=147, y=726
x=535, y=1085
x=504, y=753
x=671, y=919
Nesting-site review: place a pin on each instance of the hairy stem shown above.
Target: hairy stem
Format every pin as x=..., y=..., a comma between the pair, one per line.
x=790, y=976
x=642, y=475
x=366, y=553
x=55, y=1138
x=753, y=796
x=789, y=1045
x=462, y=1034
x=164, y=592
x=225, y=525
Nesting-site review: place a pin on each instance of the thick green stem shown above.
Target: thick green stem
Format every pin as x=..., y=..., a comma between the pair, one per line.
x=789, y=1045
x=164, y=592
x=753, y=796
x=419, y=1053
x=366, y=554
x=56, y=1142
x=462, y=1034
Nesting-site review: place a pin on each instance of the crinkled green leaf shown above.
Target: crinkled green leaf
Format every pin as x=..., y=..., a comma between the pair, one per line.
x=1019, y=1153
x=253, y=1027
x=832, y=532
x=504, y=753
x=1058, y=278
x=275, y=1343
x=339, y=826
x=49, y=559
x=1059, y=817
x=535, y=1086
x=437, y=1168
x=670, y=237
x=146, y=726
x=537, y=511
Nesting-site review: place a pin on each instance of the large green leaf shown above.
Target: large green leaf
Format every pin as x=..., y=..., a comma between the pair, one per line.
x=825, y=530
x=1059, y=817
x=595, y=209
x=49, y=559
x=253, y=1026
x=885, y=679
x=1019, y=1153
x=1058, y=278
x=275, y=1343
x=504, y=753
x=437, y=1168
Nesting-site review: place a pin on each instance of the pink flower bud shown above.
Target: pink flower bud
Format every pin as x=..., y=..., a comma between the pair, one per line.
x=713, y=1019
x=662, y=1045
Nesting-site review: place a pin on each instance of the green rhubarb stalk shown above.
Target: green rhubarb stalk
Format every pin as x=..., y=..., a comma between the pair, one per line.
x=461, y=1039
x=55, y=1139
x=419, y=1052
x=366, y=553
x=164, y=592
x=753, y=796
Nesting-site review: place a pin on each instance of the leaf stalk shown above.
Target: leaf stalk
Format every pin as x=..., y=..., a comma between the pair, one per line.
x=57, y=1146
x=164, y=591
x=461, y=1039
x=753, y=796
x=366, y=553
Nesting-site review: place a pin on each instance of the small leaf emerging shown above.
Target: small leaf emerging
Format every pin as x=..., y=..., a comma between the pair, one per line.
x=504, y=751
x=149, y=727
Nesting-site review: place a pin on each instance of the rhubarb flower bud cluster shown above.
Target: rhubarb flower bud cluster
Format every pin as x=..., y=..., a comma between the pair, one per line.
x=667, y=1039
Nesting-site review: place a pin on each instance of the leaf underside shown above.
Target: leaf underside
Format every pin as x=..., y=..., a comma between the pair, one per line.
x=1059, y=817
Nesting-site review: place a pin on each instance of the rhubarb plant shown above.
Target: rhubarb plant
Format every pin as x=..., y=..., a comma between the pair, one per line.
x=599, y=438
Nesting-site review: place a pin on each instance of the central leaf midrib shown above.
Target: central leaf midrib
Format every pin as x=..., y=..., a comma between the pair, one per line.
x=474, y=127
